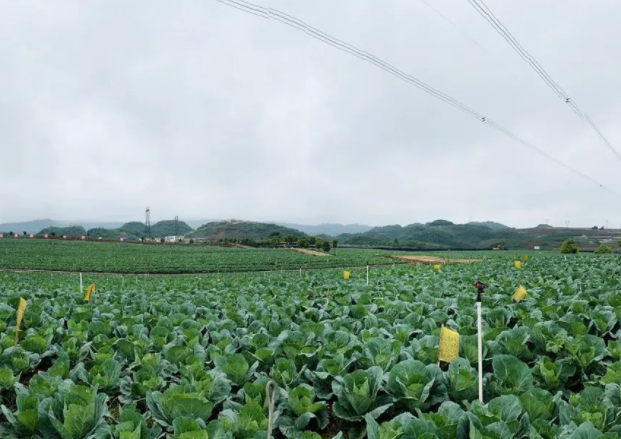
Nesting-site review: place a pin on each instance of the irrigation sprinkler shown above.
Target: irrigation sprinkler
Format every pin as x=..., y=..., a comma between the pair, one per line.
x=480, y=286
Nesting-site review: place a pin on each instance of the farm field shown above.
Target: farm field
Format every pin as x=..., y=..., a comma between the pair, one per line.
x=189, y=357
x=137, y=258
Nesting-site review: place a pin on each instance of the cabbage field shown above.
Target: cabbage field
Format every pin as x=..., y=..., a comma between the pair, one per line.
x=189, y=357
x=137, y=258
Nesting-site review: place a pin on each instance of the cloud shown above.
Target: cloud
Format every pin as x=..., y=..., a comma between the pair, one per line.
x=202, y=111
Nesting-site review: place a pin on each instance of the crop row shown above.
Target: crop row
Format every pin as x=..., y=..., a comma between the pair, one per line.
x=188, y=358
x=135, y=258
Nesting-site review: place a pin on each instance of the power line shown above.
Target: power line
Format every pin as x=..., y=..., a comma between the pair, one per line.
x=270, y=13
x=462, y=31
x=488, y=15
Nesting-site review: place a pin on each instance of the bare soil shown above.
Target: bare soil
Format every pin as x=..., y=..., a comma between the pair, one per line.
x=312, y=252
x=246, y=247
x=428, y=260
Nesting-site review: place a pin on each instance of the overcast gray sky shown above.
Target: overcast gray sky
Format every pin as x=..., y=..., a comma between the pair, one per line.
x=203, y=111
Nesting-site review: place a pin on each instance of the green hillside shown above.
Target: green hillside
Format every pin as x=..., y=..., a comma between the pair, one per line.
x=167, y=228
x=439, y=234
x=491, y=224
x=443, y=234
x=71, y=231
x=100, y=232
x=242, y=230
x=133, y=229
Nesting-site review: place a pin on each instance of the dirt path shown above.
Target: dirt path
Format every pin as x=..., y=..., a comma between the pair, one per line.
x=312, y=252
x=415, y=259
x=245, y=247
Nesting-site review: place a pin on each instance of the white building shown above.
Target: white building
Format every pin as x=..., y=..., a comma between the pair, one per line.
x=173, y=238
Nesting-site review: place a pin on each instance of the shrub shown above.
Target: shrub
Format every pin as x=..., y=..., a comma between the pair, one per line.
x=602, y=249
x=569, y=246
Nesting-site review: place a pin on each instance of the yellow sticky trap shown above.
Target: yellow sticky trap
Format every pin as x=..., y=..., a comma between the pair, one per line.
x=520, y=293
x=346, y=275
x=21, y=308
x=517, y=264
x=89, y=291
x=436, y=266
x=449, y=345
x=525, y=258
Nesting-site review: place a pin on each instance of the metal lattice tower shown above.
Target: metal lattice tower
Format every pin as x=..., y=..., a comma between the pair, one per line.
x=176, y=227
x=147, y=223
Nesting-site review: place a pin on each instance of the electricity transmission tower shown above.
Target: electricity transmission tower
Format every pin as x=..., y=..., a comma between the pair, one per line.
x=147, y=223
x=176, y=227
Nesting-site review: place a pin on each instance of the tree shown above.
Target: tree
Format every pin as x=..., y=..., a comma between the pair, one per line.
x=53, y=234
x=396, y=241
x=162, y=240
x=594, y=228
x=335, y=243
x=191, y=241
x=312, y=240
x=25, y=233
x=10, y=233
x=325, y=245
x=569, y=246
x=603, y=249
x=303, y=243
x=318, y=243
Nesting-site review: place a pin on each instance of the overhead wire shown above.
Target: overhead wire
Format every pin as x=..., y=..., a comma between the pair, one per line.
x=501, y=29
x=473, y=40
x=271, y=13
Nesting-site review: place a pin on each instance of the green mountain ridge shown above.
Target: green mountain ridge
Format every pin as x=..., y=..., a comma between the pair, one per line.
x=71, y=231
x=130, y=230
x=438, y=235
x=215, y=231
x=435, y=235
x=442, y=235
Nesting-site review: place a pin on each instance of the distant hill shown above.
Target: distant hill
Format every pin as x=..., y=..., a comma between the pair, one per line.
x=439, y=234
x=195, y=224
x=136, y=230
x=36, y=226
x=100, y=232
x=167, y=228
x=133, y=229
x=242, y=230
x=443, y=234
x=491, y=224
x=28, y=226
x=71, y=231
x=328, y=229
